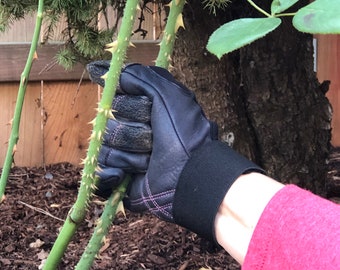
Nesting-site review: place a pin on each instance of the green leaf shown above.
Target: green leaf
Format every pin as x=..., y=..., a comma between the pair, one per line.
x=238, y=33
x=281, y=5
x=319, y=17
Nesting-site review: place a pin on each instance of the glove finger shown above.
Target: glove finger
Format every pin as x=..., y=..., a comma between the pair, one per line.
x=127, y=161
x=140, y=80
x=132, y=108
x=128, y=136
x=108, y=179
x=176, y=117
x=97, y=69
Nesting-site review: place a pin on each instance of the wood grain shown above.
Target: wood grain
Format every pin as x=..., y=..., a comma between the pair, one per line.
x=67, y=113
x=29, y=148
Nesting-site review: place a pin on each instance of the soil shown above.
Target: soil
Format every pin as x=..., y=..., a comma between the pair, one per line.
x=38, y=200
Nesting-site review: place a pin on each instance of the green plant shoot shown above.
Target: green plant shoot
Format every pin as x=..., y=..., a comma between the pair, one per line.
x=14, y=137
x=77, y=213
x=112, y=207
x=174, y=22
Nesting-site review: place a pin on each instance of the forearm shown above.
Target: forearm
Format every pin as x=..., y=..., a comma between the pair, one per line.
x=240, y=211
x=266, y=225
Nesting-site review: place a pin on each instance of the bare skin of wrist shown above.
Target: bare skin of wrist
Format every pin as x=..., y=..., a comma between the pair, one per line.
x=240, y=211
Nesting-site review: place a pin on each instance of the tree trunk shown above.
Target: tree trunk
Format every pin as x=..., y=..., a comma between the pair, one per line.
x=265, y=97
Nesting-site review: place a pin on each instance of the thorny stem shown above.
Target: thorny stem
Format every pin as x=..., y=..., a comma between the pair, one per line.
x=174, y=22
x=77, y=213
x=103, y=224
x=14, y=137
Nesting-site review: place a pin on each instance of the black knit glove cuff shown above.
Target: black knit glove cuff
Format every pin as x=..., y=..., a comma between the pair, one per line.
x=204, y=181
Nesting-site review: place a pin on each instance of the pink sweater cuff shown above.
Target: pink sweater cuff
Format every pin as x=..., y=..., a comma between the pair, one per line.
x=297, y=230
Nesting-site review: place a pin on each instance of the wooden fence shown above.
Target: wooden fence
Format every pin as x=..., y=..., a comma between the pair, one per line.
x=57, y=108
x=54, y=126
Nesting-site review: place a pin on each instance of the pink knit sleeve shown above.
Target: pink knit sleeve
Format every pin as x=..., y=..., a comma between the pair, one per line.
x=297, y=230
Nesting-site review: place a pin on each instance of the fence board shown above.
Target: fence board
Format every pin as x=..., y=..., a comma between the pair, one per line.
x=67, y=114
x=29, y=149
x=328, y=59
x=13, y=58
x=20, y=31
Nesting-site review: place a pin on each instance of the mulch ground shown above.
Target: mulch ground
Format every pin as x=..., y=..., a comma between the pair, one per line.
x=38, y=200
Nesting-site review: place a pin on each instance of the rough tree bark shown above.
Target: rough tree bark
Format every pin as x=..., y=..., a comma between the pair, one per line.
x=265, y=97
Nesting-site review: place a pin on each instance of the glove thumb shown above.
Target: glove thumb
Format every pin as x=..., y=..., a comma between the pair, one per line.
x=109, y=178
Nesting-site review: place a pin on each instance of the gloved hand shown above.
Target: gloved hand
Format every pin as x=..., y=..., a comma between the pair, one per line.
x=189, y=171
x=128, y=140
x=179, y=126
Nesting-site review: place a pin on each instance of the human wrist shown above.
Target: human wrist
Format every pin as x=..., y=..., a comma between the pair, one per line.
x=240, y=211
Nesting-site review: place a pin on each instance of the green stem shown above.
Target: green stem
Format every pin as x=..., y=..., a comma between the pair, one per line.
x=174, y=21
x=14, y=137
x=78, y=211
x=285, y=14
x=59, y=247
x=103, y=225
x=259, y=9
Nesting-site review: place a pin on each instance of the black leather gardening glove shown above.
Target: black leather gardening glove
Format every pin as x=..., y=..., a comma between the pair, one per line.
x=189, y=171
